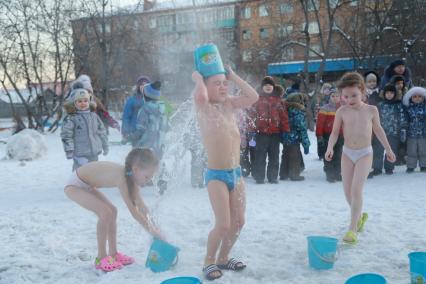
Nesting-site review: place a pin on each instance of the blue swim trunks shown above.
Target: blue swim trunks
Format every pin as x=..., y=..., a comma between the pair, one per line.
x=228, y=176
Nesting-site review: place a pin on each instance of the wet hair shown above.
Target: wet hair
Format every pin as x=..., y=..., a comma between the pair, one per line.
x=143, y=158
x=352, y=79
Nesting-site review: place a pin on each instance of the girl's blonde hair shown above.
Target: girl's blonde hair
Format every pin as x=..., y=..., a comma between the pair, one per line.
x=351, y=79
x=143, y=158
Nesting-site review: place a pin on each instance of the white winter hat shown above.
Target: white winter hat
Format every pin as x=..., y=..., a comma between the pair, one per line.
x=413, y=91
x=83, y=81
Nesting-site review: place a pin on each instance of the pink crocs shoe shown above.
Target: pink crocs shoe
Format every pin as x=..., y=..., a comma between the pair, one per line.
x=107, y=264
x=124, y=259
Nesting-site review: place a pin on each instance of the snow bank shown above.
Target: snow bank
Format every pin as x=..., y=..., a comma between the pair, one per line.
x=26, y=145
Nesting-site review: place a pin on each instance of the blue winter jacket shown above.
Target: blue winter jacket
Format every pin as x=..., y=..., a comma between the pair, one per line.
x=130, y=113
x=298, y=130
x=152, y=125
x=393, y=117
x=416, y=120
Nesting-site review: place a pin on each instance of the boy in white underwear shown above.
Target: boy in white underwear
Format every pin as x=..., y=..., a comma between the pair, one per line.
x=359, y=120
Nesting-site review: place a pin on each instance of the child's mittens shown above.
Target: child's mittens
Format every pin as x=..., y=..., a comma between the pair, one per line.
x=403, y=135
x=306, y=149
x=306, y=144
x=69, y=154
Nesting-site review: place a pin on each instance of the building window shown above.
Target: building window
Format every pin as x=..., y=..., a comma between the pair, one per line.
x=165, y=23
x=135, y=24
x=316, y=47
x=286, y=8
x=247, y=57
x=246, y=13
x=229, y=35
x=231, y=12
x=312, y=5
x=107, y=28
x=287, y=54
x=263, y=33
x=264, y=54
x=285, y=30
x=313, y=27
x=152, y=23
x=246, y=34
x=263, y=11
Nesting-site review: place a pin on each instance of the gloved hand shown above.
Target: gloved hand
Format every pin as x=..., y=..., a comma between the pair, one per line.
x=69, y=154
x=403, y=135
x=106, y=150
x=306, y=149
x=251, y=137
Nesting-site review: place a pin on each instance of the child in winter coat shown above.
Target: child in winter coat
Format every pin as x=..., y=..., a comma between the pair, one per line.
x=292, y=159
x=399, y=83
x=83, y=133
x=152, y=122
x=269, y=116
x=324, y=127
x=394, y=122
x=372, y=82
x=131, y=110
x=84, y=81
x=415, y=102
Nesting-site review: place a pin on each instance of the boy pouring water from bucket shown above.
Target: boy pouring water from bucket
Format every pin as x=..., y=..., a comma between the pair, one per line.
x=362, y=120
x=221, y=139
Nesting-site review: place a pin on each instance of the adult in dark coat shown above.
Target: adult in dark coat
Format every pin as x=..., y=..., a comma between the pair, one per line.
x=397, y=67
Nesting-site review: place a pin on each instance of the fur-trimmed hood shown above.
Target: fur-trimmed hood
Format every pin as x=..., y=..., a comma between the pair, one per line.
x=413, y=91
x=278, y=91
x=389, y=73
x=297, y=101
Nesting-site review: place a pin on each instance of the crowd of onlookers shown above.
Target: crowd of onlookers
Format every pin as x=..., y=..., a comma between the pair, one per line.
x=279, y=119
x=283, y=117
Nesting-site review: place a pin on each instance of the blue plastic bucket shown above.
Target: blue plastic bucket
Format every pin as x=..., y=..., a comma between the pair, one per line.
x=322, y=252
x=162, y=256
x=417, y=267
x=366, y=278
x=182, y=280
x=208, y=61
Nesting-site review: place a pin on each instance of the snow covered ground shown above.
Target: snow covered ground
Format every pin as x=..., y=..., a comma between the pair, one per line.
x=46, y=238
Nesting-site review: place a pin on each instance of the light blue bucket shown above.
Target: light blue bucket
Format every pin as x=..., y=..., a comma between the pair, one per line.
x=417, y=267
x=208, y=61
x=322, y=252
x=162, y=256
x=182, y=280
x=366, y=278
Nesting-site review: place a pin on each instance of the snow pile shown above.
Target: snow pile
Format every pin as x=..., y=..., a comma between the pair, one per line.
x=28, y=144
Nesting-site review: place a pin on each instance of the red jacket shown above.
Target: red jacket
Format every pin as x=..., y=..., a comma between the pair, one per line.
x=269, y=114
x=325, y=119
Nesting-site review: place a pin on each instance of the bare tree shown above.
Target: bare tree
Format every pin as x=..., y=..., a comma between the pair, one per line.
x=107, y=31
x=38, y=40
